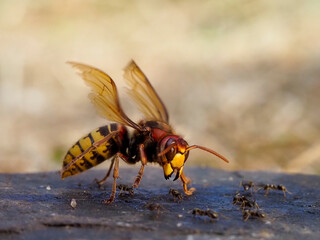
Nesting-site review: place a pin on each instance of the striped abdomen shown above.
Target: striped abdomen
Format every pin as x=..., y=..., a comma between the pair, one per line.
x=96, y=155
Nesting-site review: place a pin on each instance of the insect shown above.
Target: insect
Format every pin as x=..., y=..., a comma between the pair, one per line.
x=211, y=214
x=175, y=194
x=280, y=187
x=247, y=185
x=125, y=188
x=153, y=140
x=247, y=213
x=243, y=201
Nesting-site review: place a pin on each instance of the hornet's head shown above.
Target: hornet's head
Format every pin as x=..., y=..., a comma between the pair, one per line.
x=174, y=152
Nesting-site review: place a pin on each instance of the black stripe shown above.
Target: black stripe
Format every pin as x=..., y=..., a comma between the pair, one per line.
x=93, y=157
x=104, y=131
x=91, y=138
x=72, y=157
x=79, y=145
x=87, y=163
x=77, y=167
x=106, y=150
x=98, y=157
x=70, y=154
x=114, y=127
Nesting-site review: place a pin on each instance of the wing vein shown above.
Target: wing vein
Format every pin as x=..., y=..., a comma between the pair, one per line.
x=144, y=94
x=104, y=94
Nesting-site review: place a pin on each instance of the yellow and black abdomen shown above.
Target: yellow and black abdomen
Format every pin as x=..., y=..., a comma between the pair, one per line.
x=96, y=155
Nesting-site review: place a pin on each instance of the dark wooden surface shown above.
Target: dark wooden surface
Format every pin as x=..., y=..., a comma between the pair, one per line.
x=37, y=206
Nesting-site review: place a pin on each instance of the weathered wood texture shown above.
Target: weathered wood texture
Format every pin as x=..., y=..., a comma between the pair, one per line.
x=37, y=206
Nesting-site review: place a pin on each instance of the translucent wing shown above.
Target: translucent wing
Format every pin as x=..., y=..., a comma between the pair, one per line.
x=104, y=94
x=144, y=94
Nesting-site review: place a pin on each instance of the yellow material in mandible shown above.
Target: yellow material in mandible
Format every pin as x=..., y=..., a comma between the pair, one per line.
x=167, y=169
x=178, y=161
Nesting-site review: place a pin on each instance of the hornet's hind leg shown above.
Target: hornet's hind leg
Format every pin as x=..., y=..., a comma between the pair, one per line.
x=114, y=185
x=102, y=181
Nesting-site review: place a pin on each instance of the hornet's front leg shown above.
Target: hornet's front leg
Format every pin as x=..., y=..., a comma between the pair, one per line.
x=186, y=181
x=143, y=157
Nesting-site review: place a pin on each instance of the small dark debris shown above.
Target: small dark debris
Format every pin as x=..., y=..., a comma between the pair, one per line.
x=154, y=207
x=10, y=231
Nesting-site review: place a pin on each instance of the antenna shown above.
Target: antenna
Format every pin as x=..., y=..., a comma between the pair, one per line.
x=208, y=150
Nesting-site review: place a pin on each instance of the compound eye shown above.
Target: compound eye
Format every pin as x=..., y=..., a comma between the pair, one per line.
x=172, y=152
x=170, y=155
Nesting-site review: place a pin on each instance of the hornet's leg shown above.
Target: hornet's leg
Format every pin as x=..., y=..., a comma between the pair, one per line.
x=185, y=181
x=102, y=181
x=114, y=186
x=143, y=162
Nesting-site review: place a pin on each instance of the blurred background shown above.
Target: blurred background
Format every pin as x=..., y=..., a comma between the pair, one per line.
x=240, y=77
